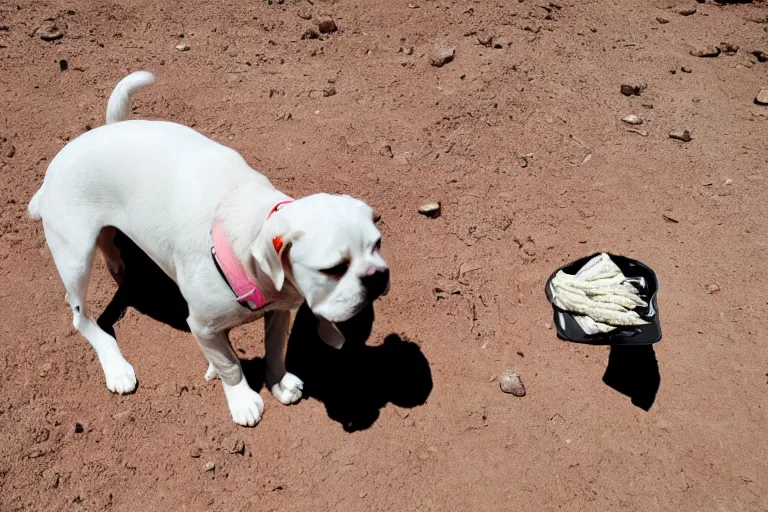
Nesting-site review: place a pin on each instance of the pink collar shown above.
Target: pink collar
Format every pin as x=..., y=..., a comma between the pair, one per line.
x=245, y=290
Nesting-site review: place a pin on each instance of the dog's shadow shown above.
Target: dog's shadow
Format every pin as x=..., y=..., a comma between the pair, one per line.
x=354, y=382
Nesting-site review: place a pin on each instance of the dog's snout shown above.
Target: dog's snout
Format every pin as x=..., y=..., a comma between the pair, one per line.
x=376, y=282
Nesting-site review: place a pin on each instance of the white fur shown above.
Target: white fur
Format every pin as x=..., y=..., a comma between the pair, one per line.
x=163, y=184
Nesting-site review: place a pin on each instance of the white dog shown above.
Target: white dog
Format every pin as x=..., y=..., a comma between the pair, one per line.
x=237, y=248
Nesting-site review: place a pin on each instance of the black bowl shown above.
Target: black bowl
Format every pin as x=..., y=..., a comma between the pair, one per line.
x=569, y=330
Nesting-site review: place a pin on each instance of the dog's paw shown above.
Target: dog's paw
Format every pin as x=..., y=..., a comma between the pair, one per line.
x=244, y=403
x=289, y=389
x=210, y=373
x=119, y=374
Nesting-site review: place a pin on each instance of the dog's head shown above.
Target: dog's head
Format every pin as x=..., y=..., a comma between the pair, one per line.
x=327, y=246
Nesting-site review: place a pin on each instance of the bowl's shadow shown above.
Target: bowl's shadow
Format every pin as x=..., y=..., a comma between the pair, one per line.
x=633, y=371
x=354, y=383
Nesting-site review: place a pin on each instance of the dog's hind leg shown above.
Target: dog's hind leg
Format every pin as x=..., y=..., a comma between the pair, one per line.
x=73, y=254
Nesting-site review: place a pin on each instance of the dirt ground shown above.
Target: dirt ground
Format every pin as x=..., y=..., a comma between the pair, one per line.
x=415, y=420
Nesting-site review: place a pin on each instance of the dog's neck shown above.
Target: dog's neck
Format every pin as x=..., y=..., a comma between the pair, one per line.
x=238, y=221
x=242, y=214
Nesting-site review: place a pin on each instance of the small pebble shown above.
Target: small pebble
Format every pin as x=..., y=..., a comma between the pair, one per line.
x=642, y=133
x=685, y=69
x=63, y=65
x=209, y=466
x=632, y=119
x=762, y=96
x=631, y=90
x=510, y=383
x=661, y=20
x=326, y=25
x=196, y=453
x=305, y=14
x=10, y=151
x=48, y=31
x=713, y=288
x=728, y=48
x=442, y=56
x=182, y=47
x=485, y=40
x=386, y=151
x=760, y=55
x=686, y=11
x=683, y=135
x=238, y=447
x=329, y=91
x=705, y=51
x=431, y=210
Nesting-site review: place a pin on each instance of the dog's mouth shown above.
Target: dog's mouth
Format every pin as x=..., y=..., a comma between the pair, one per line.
x=337, y=319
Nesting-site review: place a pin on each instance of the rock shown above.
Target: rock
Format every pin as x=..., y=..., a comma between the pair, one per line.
x=685, y=69
x=642, y=133
x=79, y=429
x=196, y=452
x=310, y=33
x=48, y=31
x=209, y=466
x=182, y=47
x=386, y=151
x=485, y=40
x=713, y=288
x=761, y=99
x=632, y=119
x=510, y=383
x=431, y=210
x=661, y=20
x=329, y=91
x=686, y=10
x=760, y=55
x=11, y=151
x=631, y=90
x=728, y=48
x=305, y=14
x=683, y=135
x=442, y=56
x=526, y=160
x=326, y=25
x=705, y=51
x=63, y=65
x=238, y=447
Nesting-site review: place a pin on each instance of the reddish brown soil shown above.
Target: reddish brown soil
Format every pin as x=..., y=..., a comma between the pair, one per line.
x=456, y=134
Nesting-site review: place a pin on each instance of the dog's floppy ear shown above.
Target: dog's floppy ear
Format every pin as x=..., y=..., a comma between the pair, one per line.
x=271, y=243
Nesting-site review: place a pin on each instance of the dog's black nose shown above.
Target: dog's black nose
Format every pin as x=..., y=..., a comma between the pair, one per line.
x=376, y=283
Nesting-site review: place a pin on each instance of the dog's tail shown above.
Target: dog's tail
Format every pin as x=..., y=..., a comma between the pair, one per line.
x=34, y=206
x=119, y=103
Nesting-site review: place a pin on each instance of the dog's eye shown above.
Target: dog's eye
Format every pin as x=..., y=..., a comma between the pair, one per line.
x=377, y=245
x=336, y=271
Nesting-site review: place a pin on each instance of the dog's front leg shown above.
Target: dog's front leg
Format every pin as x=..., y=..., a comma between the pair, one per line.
x=286, y=387
x=244, y=403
